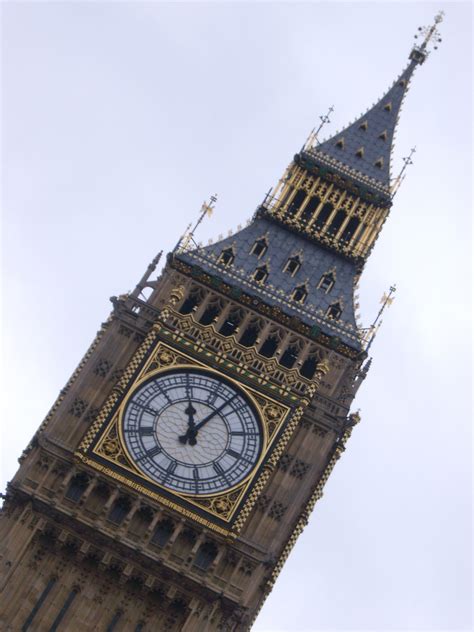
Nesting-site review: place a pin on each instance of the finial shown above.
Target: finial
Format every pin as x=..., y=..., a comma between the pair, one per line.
x=431, y=35
x=401, y=176
x=207, y=208
x=313, y=136
x=386, y=300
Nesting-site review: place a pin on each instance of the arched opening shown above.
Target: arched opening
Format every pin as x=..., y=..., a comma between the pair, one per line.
x=292, y=265
x=296, y=203
x=309, y=209
x=231, y=323
x=191, y=302
x=141, y=521
x=163, y=532
x=350, y=229
x=211, y=312
x=205, y=555
x=269, y=346
x=119, y=510
x=250, y=335
x=227, y=257
x=260, y=275
x=337, y=222
x=323, y=216
x=308, y=368
x=300, y=294
x=259, y=248
x=326, y=282
x=288, y=358
x=77, y=486
x=334, y=311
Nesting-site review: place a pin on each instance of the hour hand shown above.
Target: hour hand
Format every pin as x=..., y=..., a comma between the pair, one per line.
x=190, y=434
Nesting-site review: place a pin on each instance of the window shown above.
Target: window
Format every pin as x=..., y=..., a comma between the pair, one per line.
x=269, y=346
x=288, y=358
x=300, y=294
x=191, y=302
x=140, y=521
x=296, y=202
x=77, y=486
x=250, y=335
x=119, y=510
x=211, y=312
x=292, y=265
x=323, y=216
x=259, y=248
x=163, y=532
x=205, y=556
x=337, y=222
x=227, y=257
x=231, y=323
x=350, y=229
x=308, y=368
x=334, y=311
x=326, y=282
x=309, y=209
x=260, y=275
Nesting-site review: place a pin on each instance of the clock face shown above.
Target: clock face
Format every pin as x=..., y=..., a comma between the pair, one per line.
x=192, y=431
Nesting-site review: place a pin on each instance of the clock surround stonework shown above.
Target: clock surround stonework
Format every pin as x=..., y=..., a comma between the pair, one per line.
x=93, y=534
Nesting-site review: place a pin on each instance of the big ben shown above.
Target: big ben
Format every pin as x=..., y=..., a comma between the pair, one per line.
x=175, y=471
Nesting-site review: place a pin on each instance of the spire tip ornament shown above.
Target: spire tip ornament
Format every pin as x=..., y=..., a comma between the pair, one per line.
x=431, y=36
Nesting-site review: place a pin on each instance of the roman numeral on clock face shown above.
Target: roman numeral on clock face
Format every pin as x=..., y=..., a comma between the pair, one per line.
x=149, y=454
x=144, y=431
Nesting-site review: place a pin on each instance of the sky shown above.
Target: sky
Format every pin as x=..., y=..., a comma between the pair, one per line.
x=119, y=119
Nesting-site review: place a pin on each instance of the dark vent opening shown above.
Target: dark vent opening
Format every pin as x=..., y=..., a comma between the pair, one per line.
x=269, y=347
x=308, y=369
x=288, y=358
x=227, y=257
x=259, y=248
x=337, y=222
x=323, y=216
x=296, y=203
x=250, y=335
x=350, y=229
x=209, y=315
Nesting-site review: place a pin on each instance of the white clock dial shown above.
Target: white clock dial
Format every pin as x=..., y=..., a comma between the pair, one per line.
x=192, y=431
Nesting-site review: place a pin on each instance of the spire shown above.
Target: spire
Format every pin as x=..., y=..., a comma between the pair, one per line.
x=363, y=149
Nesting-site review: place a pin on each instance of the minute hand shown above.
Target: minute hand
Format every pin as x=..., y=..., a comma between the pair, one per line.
x=215, y=412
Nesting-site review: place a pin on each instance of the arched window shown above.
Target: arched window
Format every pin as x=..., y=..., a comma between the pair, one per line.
x=288, y=358
x=163, y=532
x=292, y=265
x=326, y=282
x=269, y=346
x=140, y=521
x=337, y=222
x=191, y=302
x=334, y=311
x=260, y=275
x=231, y=323
x=309, y=209
x=227, y=257
x=300, y=294
x=77, y=486
x=250, y=335
x=350, y=229
x=296, y=202
x=211, y=312
x=308, y=367
x=205, y=556
x=119, y=510
x=98, y=497
x=259, y=248
x=323, y=216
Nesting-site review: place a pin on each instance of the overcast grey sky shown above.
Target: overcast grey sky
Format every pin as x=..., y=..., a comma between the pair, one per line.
x=119, y=119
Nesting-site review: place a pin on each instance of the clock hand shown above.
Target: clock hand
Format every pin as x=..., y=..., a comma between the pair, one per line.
x=215, y=412
x=191, y=431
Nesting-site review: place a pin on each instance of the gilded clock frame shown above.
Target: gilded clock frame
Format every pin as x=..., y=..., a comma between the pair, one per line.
x=224, y=512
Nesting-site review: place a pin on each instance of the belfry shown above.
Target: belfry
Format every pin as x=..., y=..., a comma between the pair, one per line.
x=178, y=466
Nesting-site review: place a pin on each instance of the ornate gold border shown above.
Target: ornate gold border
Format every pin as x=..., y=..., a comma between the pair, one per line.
x=223, y=506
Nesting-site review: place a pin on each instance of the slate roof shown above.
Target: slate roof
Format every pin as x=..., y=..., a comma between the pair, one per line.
x=365, y=146
x=278, y=288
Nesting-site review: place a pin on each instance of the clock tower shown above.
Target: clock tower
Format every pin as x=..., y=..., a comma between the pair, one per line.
x=178, y=466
